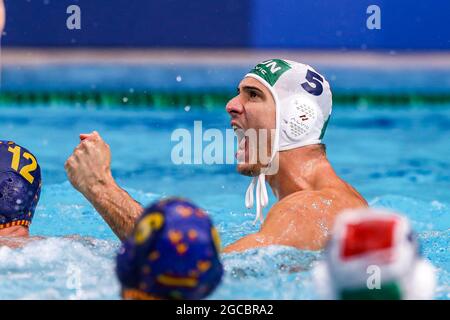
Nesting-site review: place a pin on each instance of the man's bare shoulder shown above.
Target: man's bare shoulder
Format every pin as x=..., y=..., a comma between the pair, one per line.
x=305, y=218
x=306, y=200
x=343, y=196
x=324, y=201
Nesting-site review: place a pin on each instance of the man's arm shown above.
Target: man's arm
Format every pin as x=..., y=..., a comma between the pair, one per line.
x=250, y=241
x=89, y=171
x=117, y=208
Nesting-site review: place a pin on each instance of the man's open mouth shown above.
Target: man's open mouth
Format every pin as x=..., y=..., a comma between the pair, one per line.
x=242, y=143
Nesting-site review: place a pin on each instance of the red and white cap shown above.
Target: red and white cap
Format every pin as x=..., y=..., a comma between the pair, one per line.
x=370, y=246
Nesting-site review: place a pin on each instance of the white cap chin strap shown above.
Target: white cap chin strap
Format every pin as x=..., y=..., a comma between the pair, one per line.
x=262, y=199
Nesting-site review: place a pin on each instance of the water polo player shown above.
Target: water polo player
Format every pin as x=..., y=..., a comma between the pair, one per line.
x=288, y=97
x=373, y=255
x=20, y=187
x=173, y=253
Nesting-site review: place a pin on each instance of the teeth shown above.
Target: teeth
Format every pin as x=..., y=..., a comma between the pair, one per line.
x=242, y=144
x=239, y=134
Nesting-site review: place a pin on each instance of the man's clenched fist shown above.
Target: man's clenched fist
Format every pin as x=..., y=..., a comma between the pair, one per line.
x=89, y=166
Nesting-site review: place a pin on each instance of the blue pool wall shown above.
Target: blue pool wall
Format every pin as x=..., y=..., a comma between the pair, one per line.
x=288, y=24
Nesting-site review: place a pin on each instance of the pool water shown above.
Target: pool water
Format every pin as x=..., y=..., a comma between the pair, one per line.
x=396, y=157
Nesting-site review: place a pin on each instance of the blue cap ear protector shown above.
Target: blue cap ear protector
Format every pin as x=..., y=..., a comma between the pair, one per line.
x=20, y=185
x=173, y=253
x=373, y=255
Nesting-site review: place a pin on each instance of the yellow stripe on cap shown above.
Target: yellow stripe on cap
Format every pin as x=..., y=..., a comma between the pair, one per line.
x=133, y=294
x=24, y=223
x=177, y=281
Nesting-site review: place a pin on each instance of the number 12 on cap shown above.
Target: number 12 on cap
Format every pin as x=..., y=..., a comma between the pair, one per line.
x=25, y=171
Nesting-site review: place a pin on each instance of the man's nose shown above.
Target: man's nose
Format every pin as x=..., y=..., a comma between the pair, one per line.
x=234, y=106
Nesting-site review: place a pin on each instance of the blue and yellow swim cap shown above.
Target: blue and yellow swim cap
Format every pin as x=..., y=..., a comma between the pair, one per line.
x=20, y=185
x=172, y=254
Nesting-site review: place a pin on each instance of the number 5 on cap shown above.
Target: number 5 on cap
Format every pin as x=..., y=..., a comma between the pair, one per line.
x=25, y=171
x=314, y=83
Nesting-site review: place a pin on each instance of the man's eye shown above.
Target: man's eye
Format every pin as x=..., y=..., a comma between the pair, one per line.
x=253, y=94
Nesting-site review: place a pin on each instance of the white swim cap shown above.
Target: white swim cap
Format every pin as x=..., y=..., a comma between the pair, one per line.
x=303, y=103
x=373, y=254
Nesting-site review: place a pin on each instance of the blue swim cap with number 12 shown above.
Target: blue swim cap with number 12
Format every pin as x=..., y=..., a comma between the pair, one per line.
x=20, y=185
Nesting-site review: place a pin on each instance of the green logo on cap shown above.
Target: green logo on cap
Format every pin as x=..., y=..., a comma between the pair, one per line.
x=271, y=70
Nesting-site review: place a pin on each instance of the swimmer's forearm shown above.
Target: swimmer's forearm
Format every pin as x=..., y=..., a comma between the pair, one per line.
x=116, y=206
x=17, y=242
